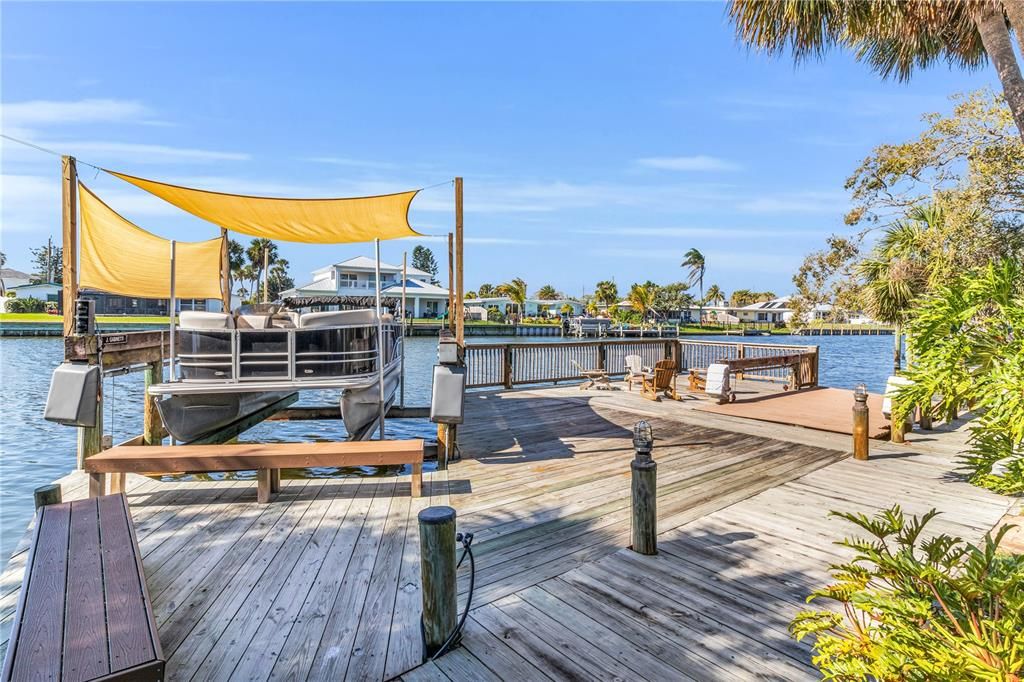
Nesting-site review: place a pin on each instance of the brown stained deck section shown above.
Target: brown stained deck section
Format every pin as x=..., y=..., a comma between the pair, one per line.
x=323, y=583
x=826, y=409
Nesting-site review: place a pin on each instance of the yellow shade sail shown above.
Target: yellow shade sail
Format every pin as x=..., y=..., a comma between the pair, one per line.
x=317, y=221
x=116, y=255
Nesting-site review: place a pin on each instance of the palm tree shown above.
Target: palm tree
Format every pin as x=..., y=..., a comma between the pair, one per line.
x=641, y=298
x=516, y=292
x=742, y=297
x=893, y=37
x=485, y=291
x=547, y=293
x=693, y=260
x=606, y=292
x=895, y=275
x=714, y=294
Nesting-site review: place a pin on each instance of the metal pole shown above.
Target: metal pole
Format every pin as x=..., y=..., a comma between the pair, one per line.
x=401, y=395
x=171, y=311
x=380, y=344
x=266, y=275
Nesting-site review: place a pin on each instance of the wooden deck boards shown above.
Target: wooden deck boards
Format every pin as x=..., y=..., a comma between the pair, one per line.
x=323, y=583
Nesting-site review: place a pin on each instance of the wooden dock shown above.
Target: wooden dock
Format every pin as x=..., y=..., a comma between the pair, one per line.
x=323, y=583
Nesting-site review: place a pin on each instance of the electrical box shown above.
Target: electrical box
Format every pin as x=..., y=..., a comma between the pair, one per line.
x=74, y=389
x=85, y=316
x=447, y=350
x=447, y=397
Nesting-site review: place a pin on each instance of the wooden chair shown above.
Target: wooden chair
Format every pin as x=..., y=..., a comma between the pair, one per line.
x=594, y=377
x=663, y=380
x=634, y=370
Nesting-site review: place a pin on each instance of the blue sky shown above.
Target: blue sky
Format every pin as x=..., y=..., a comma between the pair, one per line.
x=596, y=140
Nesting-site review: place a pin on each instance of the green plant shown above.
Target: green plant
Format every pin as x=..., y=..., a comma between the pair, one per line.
x=967, y=345
x=918, y=609
x=26, y=305
x=494, y=315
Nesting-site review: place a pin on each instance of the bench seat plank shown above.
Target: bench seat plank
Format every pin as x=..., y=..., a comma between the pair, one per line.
x=40, y=627
x=85, y=652
x=246, y=456
x=128, y=626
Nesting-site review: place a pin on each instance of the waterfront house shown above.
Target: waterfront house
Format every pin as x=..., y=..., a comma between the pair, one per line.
x=10, y=278
x=532, y=307
x=357, y=277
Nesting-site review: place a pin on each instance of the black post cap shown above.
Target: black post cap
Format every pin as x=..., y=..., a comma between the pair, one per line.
x=436, y=515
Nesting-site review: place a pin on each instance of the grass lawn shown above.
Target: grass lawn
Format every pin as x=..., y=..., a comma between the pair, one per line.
x=31, y=318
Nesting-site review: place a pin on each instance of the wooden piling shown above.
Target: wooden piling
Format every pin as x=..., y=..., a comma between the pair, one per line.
x=437, y=575
x=47, y=494
x=860, y=428
x=645, y=504
x=90, y=438
x=459, y=258
x=152, y=428
x=69, y=231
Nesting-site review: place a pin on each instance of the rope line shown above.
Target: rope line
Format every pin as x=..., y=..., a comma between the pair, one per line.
x=46, y=150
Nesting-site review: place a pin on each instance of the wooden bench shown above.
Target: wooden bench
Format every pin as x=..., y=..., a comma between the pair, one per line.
x=267, y=459
x=84, y=612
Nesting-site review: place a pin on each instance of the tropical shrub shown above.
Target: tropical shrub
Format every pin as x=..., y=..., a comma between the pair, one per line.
x=966, y=341
x=918, y=609
x=26, y=305
x=494, y=315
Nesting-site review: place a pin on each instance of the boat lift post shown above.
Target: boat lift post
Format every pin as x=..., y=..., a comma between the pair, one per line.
x=401, y=360
x=171, y=312
x=380, y=343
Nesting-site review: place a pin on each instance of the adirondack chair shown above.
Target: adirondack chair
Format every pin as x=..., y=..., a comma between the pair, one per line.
x=663, y=380
x=594, y=377
x=634, y=370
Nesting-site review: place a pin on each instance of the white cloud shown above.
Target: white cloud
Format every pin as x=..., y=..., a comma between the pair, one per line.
x=36, y=113
x=30, y=203
x=351, y=163
x=688, y=163
x=802, y=202
x=145, y=153
x=744, y=232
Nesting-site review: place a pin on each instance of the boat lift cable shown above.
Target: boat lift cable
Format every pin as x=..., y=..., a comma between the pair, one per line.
x=467, y=540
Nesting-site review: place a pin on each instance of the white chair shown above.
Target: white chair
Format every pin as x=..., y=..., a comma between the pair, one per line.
x=635, y=370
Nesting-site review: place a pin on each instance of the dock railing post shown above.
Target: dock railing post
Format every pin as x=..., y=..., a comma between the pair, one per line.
x=437, y=574
x=47, y=494
x=645, y=491
x=506, y=369
x=860, y=422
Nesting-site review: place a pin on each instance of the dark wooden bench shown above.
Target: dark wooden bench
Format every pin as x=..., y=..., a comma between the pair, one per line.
x=84, y=611
x=267, y=459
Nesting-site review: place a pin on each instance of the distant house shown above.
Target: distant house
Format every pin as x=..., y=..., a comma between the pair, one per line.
x=107, y=303
x=357, y=277
x=532, y=307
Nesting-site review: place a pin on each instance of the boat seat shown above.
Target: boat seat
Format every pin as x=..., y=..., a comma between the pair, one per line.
x=253, y=321
x=195, y=319
x=336, y=318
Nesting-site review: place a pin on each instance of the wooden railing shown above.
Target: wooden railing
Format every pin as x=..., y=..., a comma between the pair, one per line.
x=516, y=364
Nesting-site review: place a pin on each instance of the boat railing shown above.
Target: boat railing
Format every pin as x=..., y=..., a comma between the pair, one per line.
x=516, y=364
x=292, y=354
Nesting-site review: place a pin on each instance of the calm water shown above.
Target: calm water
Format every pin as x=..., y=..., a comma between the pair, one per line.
x=34, y=452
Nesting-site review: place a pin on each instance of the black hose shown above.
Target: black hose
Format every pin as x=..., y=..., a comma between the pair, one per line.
x=466, y=539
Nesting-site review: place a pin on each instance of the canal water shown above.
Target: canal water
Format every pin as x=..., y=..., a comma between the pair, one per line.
x=34, y=452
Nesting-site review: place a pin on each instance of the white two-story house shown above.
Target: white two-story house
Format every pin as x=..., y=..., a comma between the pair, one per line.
x=357, y=277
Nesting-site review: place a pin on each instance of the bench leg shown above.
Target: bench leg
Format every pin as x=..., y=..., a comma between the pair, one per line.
x=97, y=484
x=117, y=483
x=417, y=479
x=263, y=486
x=275, y=480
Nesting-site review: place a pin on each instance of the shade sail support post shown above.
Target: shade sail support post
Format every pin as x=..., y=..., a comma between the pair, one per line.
x=460, y=321
x=69, y=240
x=225, y=272
x=171, y=313
x=380, y=343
